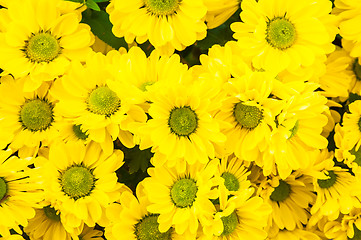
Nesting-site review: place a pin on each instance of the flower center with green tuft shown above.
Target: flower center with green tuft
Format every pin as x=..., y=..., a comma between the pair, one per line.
x=357, y=155
x=50, y=212
x=103, y=101
x=356, y=67
x=281, y=192
x=42, y=47
x=162, y=7
x=184, y=192
x=3, y=189
x=327, y=183
x=230, y=224
x=280, y=33
x=79, y=133
x=77, y=182
x=247, y=116
x=230, y=181
x=36, y=115
x=148, y=229
x=357, y=233
x=183, y=121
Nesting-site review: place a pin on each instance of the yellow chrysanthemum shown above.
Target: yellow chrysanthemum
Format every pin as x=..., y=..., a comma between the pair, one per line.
x=168, y=25
x=41, y=42
x=282, y=34
x=219, y=11
x=103, y=112
x=19, y=192
x=297, y=234
x=351, y=124
x=354, y=68
x=346, y=228
x=81, y=182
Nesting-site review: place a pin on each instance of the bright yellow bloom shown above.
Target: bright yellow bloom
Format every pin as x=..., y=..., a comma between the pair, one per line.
x=347, y=227
x=351, y=125
x=219, y=11
x=297, y=234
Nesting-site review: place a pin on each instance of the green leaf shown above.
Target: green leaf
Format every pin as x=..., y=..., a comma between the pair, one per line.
x=98, y=1
x=92, y=5
x=102, y=28
x=138, y=159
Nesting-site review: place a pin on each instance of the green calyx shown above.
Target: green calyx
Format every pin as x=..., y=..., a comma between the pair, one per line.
x=247, y=116
x=42, y=47
x=36, y=115
x=184, y=192
x=230, y=181
x=103, y=101
x=3, y=189
x=162, y=7
x=79, y=133
x=327, y=183
x=230, y=223
x=77, y=182
x=281, y=192
x=183, y=121
x=148, y=229
x=50, y=212
x=280, y=33
x=356, y=67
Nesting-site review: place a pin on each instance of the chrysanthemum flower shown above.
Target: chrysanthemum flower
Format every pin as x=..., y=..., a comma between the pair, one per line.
x=181, y=198
x=351, y=124
x=19, y=193
x=281, y=34
x=297, y=234
x=219, y=11
x=41, y=42
x=168, y=25
x=346, y=228
x=81, y=182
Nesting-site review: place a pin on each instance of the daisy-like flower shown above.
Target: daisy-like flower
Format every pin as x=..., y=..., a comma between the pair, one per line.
x=297, y=234
x=80, y=182
x=351, y=124
x=39, y=42
x=281, y=34
x=289, y=199
x=219, y=11
x=19, y=192
x=27, y=118
x=102, y=112
x=181, y=198
x=168, y=25
x=346, y=228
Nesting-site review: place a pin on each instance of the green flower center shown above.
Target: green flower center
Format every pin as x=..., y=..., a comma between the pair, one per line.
x=357, y=155
x=183, y=121
x=356, y=67
x=230, y=223
x=36, y=114
x=162, y=7
x=50, y=212
x=281, y=192
x=79, y=133
x=247, y=116
x=77, y=182
x=144, y=86
x=148, y=229
x=230, y=181
x=356, y=235
x=327, y=183
x=184, y=192
x=280, y=33
x=103, y=101
x=3, y=189
x=42, y=47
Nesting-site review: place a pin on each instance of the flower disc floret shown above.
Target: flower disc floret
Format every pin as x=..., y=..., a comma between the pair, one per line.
x=281, y=192
x=327, y=183
x=42, y=47
x=183, y=121
x=247, y=116
x=162, y=7
x=36, y=115
x=103, y=101
x=3, y=189
x=280, y=33
x=184, y=192
x=230, y=181
x=77, y=182
x=148, y=229
x=230, y=223
x=79, y=133
x=50, y=212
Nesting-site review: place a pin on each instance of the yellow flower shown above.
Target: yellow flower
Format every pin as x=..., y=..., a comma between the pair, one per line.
x=351, y=124
x=41, y=42
x=297, y=234
x=347, y=227
x=219, y=11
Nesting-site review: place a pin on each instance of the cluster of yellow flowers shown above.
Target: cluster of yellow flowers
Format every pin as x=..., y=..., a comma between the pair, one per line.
x=261, y=140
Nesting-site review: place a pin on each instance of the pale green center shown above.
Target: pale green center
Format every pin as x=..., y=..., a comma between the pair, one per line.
x=184, y=192
x=230, y=181
x=230, y=223
x=77, y=182
x=144, y=86
x=148, y=229
x=162, y=7
x=42, y=47
x=357, y=233
x=36, y=115
x=183, y=121
x=247, y=116
x=103, y=101
x=357, y=155
x=280, y=33
x=3, y=189
x=357, y=69
x=327, y=183
x=281, y=192
x=79, y=133
x=50, y=212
